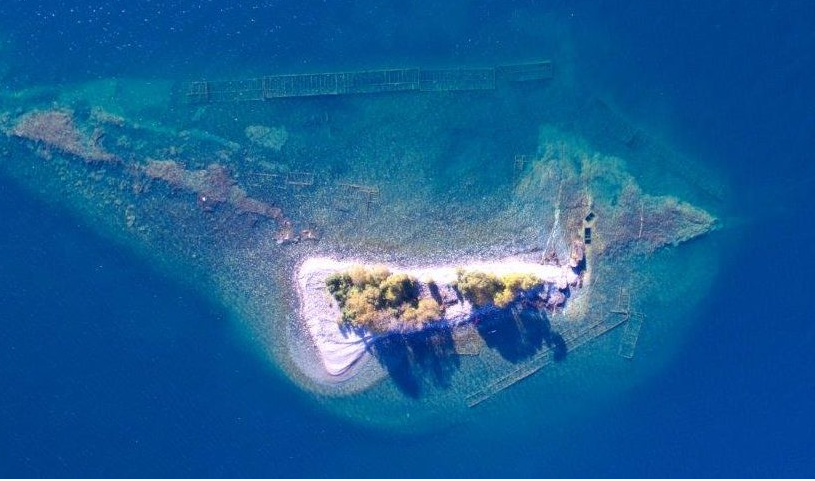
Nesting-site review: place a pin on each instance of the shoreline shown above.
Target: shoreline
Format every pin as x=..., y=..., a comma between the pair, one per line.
x=343, y=351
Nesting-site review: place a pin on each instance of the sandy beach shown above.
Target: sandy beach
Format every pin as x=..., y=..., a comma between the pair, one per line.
x=341, y=350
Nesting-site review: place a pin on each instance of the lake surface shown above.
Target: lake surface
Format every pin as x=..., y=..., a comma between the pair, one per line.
x=114, y=364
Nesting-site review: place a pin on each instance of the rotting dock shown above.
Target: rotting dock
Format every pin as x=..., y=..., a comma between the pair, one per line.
x=366, y=82
x=573, y=338
x=631, y=335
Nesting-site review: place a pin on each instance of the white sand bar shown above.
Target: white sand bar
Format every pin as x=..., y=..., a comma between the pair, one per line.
x=341, y=349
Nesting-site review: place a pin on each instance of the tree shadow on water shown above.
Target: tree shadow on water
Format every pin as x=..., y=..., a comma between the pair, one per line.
x=429, y=356
x=416, y=358
x=519, y=334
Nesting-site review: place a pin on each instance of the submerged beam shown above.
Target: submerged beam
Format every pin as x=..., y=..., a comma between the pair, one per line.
x=631, y=335
x=366, y=82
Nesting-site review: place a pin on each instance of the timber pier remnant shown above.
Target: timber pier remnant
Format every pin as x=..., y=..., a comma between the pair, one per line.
x=366, y=82
x=594, y=326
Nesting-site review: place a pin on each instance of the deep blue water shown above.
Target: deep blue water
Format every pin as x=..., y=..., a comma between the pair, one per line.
x=109, y=369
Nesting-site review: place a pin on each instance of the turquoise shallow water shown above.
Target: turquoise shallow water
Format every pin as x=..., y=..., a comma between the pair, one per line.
x=121, y=365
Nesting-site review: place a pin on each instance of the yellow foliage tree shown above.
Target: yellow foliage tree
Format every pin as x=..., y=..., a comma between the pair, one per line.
x=398, y=288
x=425, y=311
x=372, y=298
x=360, y=306
x=483, y=289
x=479, y=288
x=362, y=276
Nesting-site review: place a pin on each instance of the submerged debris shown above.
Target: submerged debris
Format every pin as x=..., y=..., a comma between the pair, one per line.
x=286, y=233
x=270, y=137
x=309, y=234
x=101, y=116
x=213, y=186
x=56, y=129
x=602, y=203
x=650, y=222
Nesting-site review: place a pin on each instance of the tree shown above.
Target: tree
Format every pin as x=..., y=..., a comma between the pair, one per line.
x=425, y=311
x=361, y=306
x=338, y=285
x=479, y=288
x=372, y=298
x=483, y=289
x=398, y=289
x=514, y=284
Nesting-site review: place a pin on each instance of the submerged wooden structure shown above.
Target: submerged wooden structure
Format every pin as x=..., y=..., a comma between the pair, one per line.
x=572, y=338
x=466, y=340
x=631, y=335
x=282, y=181
x=365, y=82
x=351, y=193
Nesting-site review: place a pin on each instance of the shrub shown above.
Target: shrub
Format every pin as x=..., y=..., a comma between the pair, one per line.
x=520, y=282
x=371, y=298
x=504, y=298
